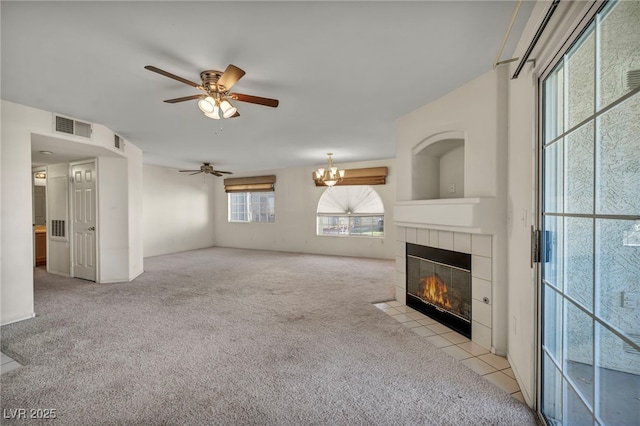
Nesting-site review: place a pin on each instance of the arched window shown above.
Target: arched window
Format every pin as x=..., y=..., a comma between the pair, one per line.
x=350, y=211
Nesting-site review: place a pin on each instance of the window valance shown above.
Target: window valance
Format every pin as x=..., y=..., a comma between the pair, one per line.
x=367, y=176
x=250, y=184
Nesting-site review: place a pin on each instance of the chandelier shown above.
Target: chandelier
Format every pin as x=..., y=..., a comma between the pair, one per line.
x=329, y=175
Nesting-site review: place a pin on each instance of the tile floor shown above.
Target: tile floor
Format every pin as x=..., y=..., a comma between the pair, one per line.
x=495, y=369
x=8, y=364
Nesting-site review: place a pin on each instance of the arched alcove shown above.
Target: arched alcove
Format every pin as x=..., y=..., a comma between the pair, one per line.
x=437, y=167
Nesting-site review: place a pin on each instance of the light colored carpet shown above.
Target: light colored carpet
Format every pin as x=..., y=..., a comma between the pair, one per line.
x=239, y=337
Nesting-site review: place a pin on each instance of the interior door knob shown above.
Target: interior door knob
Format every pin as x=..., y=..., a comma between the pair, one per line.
x=93, y=228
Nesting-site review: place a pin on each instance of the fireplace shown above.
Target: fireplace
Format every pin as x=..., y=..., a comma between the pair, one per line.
x=439, y=285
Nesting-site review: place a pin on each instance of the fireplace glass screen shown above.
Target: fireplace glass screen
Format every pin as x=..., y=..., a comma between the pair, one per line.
x=439, y=285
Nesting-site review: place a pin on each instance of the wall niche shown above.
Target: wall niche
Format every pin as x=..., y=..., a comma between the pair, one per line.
x=437, y=169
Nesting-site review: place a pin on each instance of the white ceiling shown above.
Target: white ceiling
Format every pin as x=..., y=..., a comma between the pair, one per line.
x=343, y=71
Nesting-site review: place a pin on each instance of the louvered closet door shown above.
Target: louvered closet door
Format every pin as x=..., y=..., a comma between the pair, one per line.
x=590, y=298
x=84, y=221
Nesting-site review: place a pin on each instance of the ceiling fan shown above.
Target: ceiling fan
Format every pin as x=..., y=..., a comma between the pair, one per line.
x=207, y=168
x=214, y=102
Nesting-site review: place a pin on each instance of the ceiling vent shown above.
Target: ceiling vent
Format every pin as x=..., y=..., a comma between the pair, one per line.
x=632, y=79
x=118, y=142
x=72, y=127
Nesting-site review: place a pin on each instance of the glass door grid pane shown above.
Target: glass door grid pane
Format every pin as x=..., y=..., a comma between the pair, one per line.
x=589, y=259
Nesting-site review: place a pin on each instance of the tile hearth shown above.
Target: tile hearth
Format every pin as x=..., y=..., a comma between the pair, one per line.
x=8, y=364
x=493, y=368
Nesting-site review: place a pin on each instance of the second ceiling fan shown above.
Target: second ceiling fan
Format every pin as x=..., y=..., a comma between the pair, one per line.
x=214, y=102
x=207, y=169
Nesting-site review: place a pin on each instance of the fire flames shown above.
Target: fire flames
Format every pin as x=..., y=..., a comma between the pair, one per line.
x=435, y=291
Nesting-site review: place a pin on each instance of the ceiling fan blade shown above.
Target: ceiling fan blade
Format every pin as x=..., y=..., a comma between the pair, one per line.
x=254, y=99
x=184, y=98
x=230, y=76
x=222, y=171
x=199, y=171
x=189, y=171
x=237, y=114
x=173, y=76
x=215, y=172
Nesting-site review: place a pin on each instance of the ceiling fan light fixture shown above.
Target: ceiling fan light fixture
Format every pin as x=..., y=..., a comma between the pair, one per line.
x=228, y=110
x=207, y=104
x=215, y=114
x=214, y=101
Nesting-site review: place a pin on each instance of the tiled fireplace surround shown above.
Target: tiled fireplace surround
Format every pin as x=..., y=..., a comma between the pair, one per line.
x=451, y=165
x=480, y=248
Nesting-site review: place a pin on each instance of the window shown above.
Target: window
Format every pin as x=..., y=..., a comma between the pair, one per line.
x=251, y=207
x=350, y=211
x=251, y=199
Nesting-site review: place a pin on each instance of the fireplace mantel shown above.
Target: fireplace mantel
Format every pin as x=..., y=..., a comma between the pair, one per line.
x=479, y=215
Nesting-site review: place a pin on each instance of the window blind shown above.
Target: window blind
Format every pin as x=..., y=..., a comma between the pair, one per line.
x=367, y=176
x=250, y=184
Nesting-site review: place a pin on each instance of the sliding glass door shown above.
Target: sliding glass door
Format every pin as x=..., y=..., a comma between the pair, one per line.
x=590, y=291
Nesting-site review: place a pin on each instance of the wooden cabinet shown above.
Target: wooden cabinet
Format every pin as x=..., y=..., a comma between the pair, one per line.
x=41, y=245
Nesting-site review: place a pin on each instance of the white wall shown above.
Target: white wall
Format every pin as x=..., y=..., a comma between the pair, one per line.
x=136, y=209
x=119, y=209
x=17, y=238
x=471, y=111
x=178, y=210
x=18, y=124
x=452, y=172
x=2, y=221
x=521, y=276
x=113, y=220
x=425, y=179
x=294, y=230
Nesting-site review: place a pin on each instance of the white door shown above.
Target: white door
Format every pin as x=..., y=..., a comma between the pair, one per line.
x=84, y=220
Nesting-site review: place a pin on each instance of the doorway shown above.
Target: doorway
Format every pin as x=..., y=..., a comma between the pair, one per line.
x=39, y=216
x=590, y=220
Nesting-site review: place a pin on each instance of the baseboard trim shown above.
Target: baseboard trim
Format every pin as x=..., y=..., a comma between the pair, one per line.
x=113, y=281
x=32, y=315
x=136, y=274
x=525, y=394
x=62, y=274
